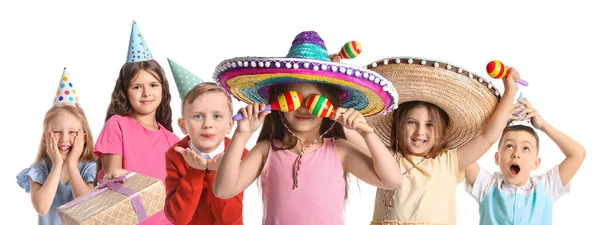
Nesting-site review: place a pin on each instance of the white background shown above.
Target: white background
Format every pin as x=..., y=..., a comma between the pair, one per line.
x=554, y=46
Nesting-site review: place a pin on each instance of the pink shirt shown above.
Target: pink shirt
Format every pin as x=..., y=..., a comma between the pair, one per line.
x=143, y=150
x=319, y=198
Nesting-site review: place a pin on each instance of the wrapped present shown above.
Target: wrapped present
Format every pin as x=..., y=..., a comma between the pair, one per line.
x=127, y=199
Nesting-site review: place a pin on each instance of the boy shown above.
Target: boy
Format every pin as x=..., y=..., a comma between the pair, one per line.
x=512, y=196
x=192, y=162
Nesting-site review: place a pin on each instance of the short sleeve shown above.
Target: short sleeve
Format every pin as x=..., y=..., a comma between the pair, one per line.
x=38, y=172
x=88, y=171
x=553, y=184
x=450, y=159
x=481, y=186
x=110, y=140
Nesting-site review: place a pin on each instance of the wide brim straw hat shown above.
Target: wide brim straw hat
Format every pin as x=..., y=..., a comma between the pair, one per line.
x=249, y=79
x=467, y=98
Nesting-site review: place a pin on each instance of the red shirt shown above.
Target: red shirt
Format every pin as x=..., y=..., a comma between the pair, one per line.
x=190, y=198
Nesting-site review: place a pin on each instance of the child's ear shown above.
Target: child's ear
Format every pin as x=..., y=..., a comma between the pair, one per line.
x=497, y=158
x=230, y=126
x=182, y=126
x=538, y=161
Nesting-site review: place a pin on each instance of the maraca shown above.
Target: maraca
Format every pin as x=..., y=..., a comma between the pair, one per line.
x=320, y=106
x=497, y=70
x=286, y=102
x=350, y=50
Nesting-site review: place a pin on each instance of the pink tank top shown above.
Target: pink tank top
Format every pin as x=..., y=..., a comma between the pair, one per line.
x=319, y=198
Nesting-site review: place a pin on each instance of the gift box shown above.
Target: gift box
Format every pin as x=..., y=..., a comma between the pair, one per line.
x=127, y=199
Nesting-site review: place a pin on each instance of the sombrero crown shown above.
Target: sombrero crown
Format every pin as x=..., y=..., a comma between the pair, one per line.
x=468, y=99
x=248, y=78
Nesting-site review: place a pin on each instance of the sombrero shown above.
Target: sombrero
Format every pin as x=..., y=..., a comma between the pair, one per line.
x=468, y=99
x=248, y=78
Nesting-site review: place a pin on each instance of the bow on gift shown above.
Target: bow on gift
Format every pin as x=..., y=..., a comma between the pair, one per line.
x=114, y=185
x=114, y=182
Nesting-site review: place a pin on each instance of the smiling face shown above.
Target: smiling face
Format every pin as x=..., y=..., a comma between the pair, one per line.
x=517, y=156
x=144, y=93
x=64, y=127
x=419, y=131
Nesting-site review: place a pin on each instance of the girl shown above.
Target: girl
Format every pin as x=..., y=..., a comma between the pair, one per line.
x=64, y=168
x=303, y=159
x=138, y=131
x=435, y=133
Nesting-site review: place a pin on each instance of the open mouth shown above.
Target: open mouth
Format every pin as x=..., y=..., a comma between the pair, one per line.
x=514, y=169
x=418, y=142
x=64, y=148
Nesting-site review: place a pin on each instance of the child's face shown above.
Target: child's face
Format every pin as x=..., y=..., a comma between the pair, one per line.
x=300, y=119
x=144, y=93
x=64, y=127
x=207, y=120
x=517, y=156
x=419, y=131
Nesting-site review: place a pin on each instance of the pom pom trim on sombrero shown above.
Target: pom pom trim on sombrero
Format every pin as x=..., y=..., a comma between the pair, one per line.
x=467, y=98
x=248, y=79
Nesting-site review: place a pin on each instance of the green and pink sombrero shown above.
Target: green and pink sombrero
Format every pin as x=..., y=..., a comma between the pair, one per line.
x=248, y=79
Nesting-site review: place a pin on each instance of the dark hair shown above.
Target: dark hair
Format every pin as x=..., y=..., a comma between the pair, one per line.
x=273, y=128
x=201, y=89
x=119, y=103
x=440, y=122
x=524, y=128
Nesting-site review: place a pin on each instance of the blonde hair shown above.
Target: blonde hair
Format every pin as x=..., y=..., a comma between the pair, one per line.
x=88, y=147
x=200, y=90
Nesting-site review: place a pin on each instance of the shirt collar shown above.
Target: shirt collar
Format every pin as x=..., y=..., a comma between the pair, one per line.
x=209, y=155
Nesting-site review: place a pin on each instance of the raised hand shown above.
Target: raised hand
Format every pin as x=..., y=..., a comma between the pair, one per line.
x=76, y=148
x=193, y=159
x=536, y=119
x=510, y=82
x=352, y=119
x=252, y=118
x=52, y=148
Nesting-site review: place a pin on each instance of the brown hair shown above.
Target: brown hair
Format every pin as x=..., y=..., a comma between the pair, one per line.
x=119, y=104
x=524, y=128
x=200, y=90
x=88, y=148
x=439, y=119
x=273, y=128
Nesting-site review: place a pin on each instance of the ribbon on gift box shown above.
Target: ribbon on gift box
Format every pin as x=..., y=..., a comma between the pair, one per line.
x=113, y=185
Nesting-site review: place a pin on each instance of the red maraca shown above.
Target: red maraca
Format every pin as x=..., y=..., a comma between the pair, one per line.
x=497, y=70
x=286, y=102
x=350, y=50
x=320, y=106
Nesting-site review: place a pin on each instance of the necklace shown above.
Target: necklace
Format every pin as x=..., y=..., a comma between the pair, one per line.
x=390, y=204
x=298, y=161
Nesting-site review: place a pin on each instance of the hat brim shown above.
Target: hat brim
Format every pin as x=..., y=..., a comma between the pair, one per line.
x=468, y=99
x=248, y=79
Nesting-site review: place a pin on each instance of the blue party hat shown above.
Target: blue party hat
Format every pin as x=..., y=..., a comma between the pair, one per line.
x=138, y=50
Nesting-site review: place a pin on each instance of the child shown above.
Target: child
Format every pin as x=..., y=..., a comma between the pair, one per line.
x=512, y=196
x=137, y=132
x=435, y=133
x=206, y=111
x=302, y=159
x=64, y=168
